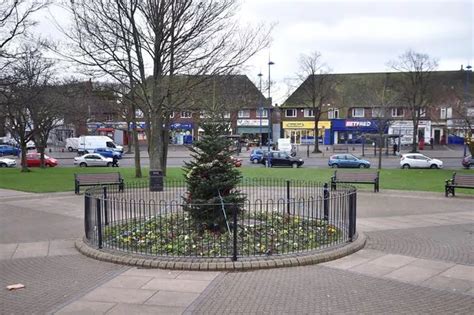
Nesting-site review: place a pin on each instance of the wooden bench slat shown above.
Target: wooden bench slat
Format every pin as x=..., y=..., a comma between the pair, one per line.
x=458, y=181
x=356, y=178
x=97, y=179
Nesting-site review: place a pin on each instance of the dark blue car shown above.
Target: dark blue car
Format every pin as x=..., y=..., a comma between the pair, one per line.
x=9, y=150
x=347, y=160
x=109, y=153
x=256, y=156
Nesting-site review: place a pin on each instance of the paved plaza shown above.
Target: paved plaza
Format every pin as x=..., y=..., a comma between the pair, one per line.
x=419, y=258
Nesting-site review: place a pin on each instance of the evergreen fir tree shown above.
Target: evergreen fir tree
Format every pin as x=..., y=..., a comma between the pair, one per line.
x=212, y=178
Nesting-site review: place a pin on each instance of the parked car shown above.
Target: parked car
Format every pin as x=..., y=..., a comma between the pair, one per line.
x=237, y=162
x=6, y=162
x=109, y=153
x=417, y=160
x=468, y=162
x=347, y=160
x=281, y=158
x=87, y=144
x=34, y=159
x=93, y=159
x=9, y=150
x=256, y=155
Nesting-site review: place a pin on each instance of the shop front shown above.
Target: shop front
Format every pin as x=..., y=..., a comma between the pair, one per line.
x=405, y=128
x=253, y=130
x=351, y=130
x=181, y=133
x=302, y=132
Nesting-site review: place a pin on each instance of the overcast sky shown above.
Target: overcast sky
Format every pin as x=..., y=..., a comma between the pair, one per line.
x=352, y=35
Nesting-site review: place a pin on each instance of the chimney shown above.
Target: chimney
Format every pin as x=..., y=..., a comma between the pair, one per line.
x=462, y=68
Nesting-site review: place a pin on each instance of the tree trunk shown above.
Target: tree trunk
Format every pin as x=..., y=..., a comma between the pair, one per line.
x=24, y=167
x=136, y=145
x=380, y=153
x=155, y=142
x=316, y=133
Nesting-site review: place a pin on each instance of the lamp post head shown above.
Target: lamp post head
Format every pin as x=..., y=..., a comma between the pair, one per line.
x=468, y=67
x=271, y=63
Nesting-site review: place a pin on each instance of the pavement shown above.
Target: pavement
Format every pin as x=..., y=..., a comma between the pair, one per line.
x=419, y=258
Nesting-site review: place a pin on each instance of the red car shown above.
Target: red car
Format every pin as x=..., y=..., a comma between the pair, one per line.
x=33, y=159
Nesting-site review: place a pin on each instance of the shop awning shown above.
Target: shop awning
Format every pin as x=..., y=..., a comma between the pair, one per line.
x=254, y=130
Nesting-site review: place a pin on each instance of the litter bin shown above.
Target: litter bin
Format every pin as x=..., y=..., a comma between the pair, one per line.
x=156, y=180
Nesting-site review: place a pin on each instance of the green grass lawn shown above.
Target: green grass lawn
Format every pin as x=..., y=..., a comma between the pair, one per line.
x=62, y=179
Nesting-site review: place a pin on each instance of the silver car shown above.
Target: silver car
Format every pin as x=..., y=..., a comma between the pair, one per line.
x=6, y=162
x=93, y=159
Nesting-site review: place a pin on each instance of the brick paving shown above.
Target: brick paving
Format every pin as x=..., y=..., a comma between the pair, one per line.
x=322, y=290
x=454, y=243
x=50, y=282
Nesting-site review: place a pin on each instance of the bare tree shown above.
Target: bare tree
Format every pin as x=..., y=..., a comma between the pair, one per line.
x=415, y=85
x=145, y=45
x=317, y=88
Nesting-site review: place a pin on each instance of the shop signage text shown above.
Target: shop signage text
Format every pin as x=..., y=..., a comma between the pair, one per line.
x=252, y=122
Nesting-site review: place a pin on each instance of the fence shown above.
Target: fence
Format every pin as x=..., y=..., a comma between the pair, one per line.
x=278, y=217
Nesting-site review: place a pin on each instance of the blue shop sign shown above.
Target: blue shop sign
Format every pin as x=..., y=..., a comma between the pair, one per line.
x=183, y=126
x=363, y=125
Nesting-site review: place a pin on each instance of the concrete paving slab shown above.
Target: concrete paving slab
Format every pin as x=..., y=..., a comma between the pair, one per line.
x=198, y=275
x=36, y=249
x=128, y=309
x=450, y=284
x=119, y=295
x=7, y=250
x=373, y=270
x=131, y=282
x=86, y=307
x=369, y=253
x=432, y=264
x=412, y=274
x=193, y=286
x=460, y=272
x=395, y=261
x=155, y=273
x=170, y=298
x=346, y=262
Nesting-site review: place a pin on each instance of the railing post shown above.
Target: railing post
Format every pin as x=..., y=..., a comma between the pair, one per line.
x=99, y=224
x=87, y=213
x=288, y=197
x=352, y=213
x=326, y=201
x=106, y=208
x=234, y=232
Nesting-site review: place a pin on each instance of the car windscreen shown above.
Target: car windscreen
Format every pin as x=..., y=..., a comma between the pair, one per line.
x=110, y=144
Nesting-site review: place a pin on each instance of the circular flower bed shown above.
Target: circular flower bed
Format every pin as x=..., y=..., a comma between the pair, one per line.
x=258, y=233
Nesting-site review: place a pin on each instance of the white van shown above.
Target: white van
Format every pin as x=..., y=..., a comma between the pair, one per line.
x=90, y=143
x=284, y=144
x=72, y=144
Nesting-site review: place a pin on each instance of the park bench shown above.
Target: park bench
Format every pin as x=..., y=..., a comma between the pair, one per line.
x=458, y=181
x=340, y=148
x=97, y=179
x=355, y=178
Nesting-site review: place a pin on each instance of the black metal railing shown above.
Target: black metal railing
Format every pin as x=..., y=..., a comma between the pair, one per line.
x=278, y=217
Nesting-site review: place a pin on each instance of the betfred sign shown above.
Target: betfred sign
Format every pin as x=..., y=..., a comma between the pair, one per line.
x=356, y=123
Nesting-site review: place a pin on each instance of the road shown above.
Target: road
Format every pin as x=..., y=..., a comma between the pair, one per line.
x=177, y=156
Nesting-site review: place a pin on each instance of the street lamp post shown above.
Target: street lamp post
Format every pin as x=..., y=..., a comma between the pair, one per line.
x=260, y=110
x=468, y=72
x=270, y=63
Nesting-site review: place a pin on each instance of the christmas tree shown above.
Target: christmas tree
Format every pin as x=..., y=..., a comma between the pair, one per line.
x=212, y=179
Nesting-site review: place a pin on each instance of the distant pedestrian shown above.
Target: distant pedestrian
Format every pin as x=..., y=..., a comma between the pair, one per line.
x=115, y=161
x=395, y=149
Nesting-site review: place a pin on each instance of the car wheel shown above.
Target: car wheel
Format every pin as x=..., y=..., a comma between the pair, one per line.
x=47, y=165
x=367, y=166
x=255, y=161
x=406, y=166
x=3, y=165
x=83, y=164
x=434, y=166
x=109, y=164
x=70, y=149
x=294, y=165
x=361, y=166
x=334, y=166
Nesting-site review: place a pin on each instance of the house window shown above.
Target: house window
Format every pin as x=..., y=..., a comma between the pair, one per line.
x=358, y=112
x=422, y=112
x=449, y=113
x=186, y=114
x=333, y=113
x=470, y=112
x=442, y=113
x=290, y=113
x=245, y=113
x=397, y=112
x=378, y=112
x=226, y=115
x=308, y=113
x=262, y=112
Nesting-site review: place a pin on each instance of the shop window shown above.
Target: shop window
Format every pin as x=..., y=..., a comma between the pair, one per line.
x=333, y=113
x=308, y=113
x=290, y=113
x=358, y=112
x=245, y=113
x=262, y=112
x=186, y=114
x=397, y=112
